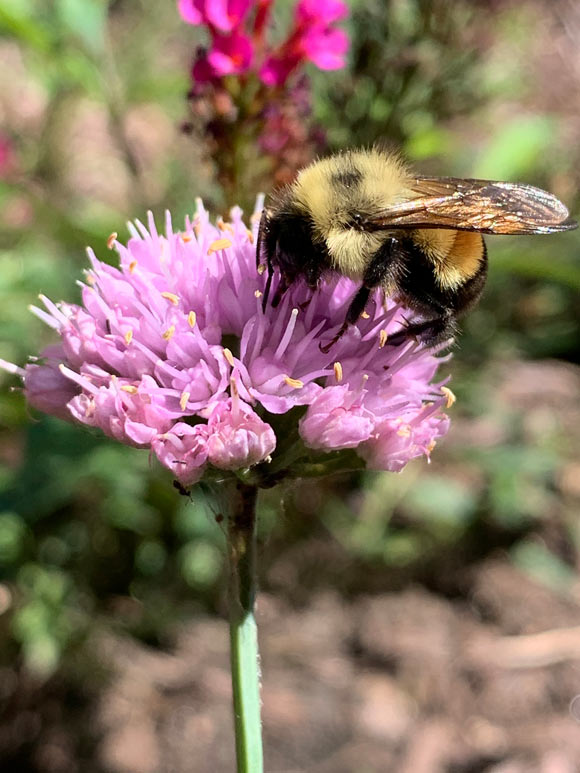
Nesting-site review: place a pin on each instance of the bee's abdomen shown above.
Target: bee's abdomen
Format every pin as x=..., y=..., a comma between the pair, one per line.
x=421, y=282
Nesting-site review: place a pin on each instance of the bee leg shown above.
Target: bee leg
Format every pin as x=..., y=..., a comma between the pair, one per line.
x=432, y=332
x=356, y=308
x=280, y=290
x=261, y=236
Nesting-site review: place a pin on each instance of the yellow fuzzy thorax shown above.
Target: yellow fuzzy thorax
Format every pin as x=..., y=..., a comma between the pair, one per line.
x=383, y=182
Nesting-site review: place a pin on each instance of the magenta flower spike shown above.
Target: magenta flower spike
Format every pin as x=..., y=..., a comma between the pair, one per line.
x=172, y=352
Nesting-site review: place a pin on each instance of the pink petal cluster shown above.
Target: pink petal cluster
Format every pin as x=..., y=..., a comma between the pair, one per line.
x=238, y=46
x=173, y=352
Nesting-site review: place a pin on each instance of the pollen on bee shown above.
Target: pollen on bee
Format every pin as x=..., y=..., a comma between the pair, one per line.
x=132, y=266
x=130, y=389
x=169, y=333
x=449, y=396
x=229, y=357
x=191, y=318
x=258, y=293
x=261, y=268
x=183, y=400
x=382, y=338
x=219, y=244
x=337, y=371
x=128, y=336
x=295, y=383
x=111, y=240
x=171, y=297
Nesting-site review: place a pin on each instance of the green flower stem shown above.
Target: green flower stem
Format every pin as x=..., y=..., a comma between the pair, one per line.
x=241, y=531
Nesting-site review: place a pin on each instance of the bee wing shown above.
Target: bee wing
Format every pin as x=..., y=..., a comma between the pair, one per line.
x=475, y=205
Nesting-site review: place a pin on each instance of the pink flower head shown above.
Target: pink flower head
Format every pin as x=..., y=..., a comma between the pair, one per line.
x=222, y=15
x=172, y=352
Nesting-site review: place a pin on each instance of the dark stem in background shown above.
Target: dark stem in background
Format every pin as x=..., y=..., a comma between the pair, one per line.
x=241, y=537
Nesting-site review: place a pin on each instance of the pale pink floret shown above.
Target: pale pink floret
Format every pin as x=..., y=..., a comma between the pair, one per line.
x=183, y=450
x=173, y=352
x=237, y=436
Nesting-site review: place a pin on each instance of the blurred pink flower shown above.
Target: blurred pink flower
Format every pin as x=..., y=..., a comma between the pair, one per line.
x=7, y=157
x=231, y=54
x=223, y=15
x=173, y=352
x=320, y=12
x=325, y=47
x=313, y=39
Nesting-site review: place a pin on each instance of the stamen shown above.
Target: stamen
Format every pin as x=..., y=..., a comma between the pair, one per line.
x=128, y=336
x=258, y=207
x=404, y=431
x=11, y=368
x=250, y=236
x=45, y=317
x=261, y=269
x=365, y=315
x=295, y=383
x=111, y=240
x=219, y=244
x=132, y=266
x=382, y=338
x=258, y=293
x=225, y=226
x=283, y=345
x=186, y=238
x=235, y=399
x=171, y=297
x=338, y=371
x=450, y=397
x=431, y=446
x=184, y=399
x=91, y=279
x=169, y=333
x=191, y=318
x=229, y=357
x=130, y=389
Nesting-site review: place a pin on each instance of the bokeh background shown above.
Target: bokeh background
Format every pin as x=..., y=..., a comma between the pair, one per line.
x=427, y=621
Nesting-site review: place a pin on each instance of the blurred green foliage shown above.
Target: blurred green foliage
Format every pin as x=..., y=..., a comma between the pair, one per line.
x=91, y=535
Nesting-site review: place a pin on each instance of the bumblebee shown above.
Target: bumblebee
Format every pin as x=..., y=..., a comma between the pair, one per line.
x=363, y=214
